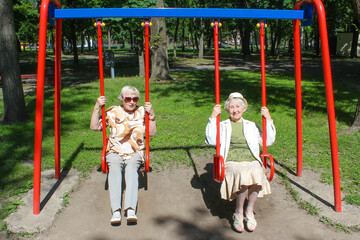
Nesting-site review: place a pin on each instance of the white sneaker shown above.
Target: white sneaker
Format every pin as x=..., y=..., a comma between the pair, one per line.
x=116, y=218
x=131, y=216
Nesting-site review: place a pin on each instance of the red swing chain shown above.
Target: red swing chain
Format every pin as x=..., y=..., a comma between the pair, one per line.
x=99, y=25
x=146, y=24
x=219, y=165
x=264, y=155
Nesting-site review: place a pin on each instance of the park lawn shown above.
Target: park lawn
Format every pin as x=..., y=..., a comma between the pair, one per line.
x=182, y=108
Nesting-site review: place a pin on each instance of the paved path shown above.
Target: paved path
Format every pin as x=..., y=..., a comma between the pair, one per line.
x=184, y=203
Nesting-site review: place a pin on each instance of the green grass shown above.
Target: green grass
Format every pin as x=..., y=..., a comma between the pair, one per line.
x=182, y=107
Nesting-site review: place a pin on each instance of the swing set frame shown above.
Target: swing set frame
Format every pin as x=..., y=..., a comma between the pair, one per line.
x=52, y=10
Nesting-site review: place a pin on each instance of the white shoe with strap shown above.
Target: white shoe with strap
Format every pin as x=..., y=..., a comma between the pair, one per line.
x=251, y=222
x=238, y=222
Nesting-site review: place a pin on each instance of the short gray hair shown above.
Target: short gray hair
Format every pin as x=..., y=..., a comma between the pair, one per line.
x=128, y=89
x=243, y=104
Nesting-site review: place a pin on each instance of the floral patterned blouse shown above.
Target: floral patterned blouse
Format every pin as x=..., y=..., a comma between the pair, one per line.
x=126, y=131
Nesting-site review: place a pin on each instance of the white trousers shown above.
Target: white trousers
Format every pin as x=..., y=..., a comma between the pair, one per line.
x=117, y=165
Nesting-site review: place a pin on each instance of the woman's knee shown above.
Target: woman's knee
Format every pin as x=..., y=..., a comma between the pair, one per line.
x=133, y=163
x=132, y=167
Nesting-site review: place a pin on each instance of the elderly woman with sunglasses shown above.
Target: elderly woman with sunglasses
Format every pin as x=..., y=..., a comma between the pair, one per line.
x=125, y=148
x=239, y=146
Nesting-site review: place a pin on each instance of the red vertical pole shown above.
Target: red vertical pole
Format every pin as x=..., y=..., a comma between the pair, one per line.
x=147, y=153
x=217, y=83
x=329, y=97
x=330, y=103
x=264, y=154
x=263, y=86
x=297, y=56
x=102, y=93
x=39, y=105
x=219, y=164
x=58, y=29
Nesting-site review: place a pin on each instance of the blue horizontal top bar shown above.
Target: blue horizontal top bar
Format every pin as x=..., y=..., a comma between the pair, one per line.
x=178, y=12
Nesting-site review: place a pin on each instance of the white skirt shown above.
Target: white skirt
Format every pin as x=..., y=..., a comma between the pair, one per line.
x=241, y=174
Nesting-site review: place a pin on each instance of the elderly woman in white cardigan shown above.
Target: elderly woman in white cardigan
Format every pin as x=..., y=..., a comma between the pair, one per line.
x=239, y=146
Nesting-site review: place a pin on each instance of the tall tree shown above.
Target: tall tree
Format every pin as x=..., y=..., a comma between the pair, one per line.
x=356, y=123
x=159, y=47
x=355, y=28
x=13, y=94
x=26, y=21
x=201, y=40
x=176, y=36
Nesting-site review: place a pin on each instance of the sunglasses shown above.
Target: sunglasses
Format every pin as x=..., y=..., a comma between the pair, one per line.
x=128, y=99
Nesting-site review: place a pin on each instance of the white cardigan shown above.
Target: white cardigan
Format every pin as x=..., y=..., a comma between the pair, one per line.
x=252, y=133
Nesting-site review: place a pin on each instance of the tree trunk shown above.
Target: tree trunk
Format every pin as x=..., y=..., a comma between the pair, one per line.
x=317, y=37
x=291, y=46
x=266, y=41
x=175, y=37
x=273, y=38
x=89, y=42
x=234, y=36
x=278, y=39
x=354, y=43
x=183, y=35
x=82, y=42
x=159, y=48
x=210, y=36
x=356, y=6
x=192, y=41
x=256, y=41
x=176, y=32
x=246, y=38
x=131, y=41
x=74, y=44
x=356, y=124
x=306, y=40
x=109, y=39
x=13, y=94
x=251, y=45
x=141, y=59
x=195, y=35
x=201, y=47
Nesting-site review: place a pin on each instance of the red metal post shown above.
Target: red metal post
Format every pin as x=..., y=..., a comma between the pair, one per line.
x=58, y=30
x=147, y=147
x=329, y=97
x=102, y=93
x=40, y=102
x=297, y=56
